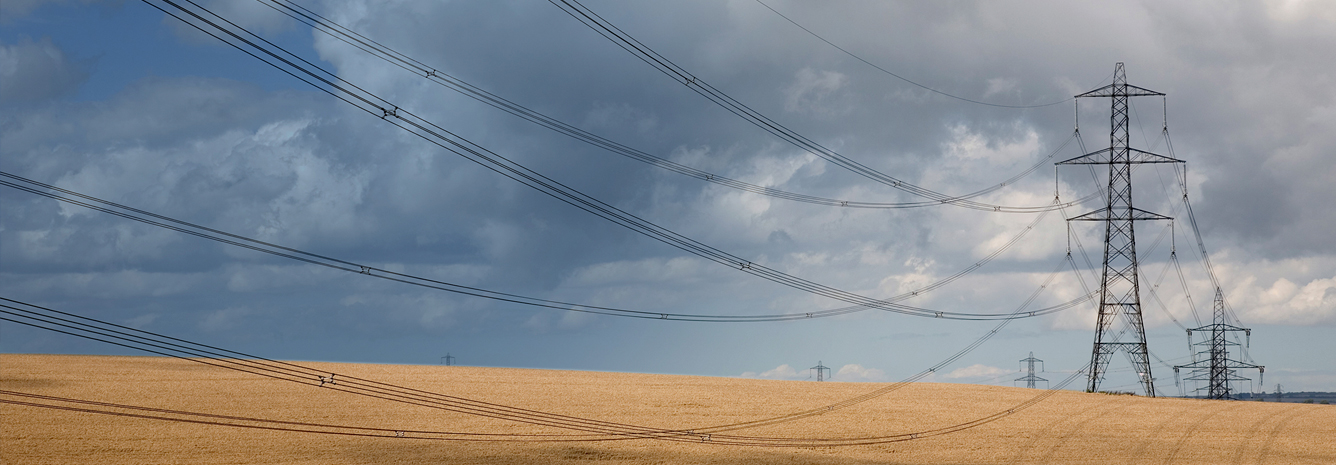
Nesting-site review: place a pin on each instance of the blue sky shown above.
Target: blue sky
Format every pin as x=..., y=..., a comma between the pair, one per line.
x=114, y=100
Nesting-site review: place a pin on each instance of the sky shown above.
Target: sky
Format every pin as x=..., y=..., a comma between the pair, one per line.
x=119, y=101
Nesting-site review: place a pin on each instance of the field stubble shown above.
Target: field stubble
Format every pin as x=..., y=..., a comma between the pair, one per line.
x=1069, y=427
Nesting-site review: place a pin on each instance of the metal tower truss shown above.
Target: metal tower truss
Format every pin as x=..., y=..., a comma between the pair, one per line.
x=1216, y=368
x=821, y=371
x=1119, y=288
x=1031, y=378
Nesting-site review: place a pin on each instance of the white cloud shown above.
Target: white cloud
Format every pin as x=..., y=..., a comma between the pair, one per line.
x=1284, y=302
x=780, y=372
x=1000, y=86
x=847, y=373
x=816, y=92
x=857, y=373
x=290, y=165
x=976, y=372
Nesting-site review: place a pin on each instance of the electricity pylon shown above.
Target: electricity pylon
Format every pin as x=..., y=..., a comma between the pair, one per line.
x=1119, y=290
x=1217, y=369
x=821, y=370
x=1031, y=378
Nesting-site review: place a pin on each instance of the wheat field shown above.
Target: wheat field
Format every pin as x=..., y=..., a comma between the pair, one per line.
x=1068, y=427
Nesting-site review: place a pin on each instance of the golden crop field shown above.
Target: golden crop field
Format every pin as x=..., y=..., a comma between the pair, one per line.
x=1069, y=427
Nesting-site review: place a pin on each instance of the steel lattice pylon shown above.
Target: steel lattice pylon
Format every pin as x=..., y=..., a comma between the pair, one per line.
x=821, y=371
x=1216, y=368
x=1119, y=288
x=1030, y=378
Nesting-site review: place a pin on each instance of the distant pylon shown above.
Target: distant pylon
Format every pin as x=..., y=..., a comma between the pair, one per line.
x=1217, y=369
x=821, y=370
x=1031, y=378
x=448, y=359
x=1120, y=293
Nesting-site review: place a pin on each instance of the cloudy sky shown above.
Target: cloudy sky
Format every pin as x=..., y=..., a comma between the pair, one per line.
x=117, y=100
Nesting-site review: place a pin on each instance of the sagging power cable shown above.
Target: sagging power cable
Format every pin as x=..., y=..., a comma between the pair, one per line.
x=181, y=416
x=620, y=38
x=185, y=227
x=348, y=36
x=902, y=78
x=366, y=101
x=88, y=328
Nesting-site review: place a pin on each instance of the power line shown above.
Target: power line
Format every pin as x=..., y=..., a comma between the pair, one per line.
x=153, y=219
x=180, y=416
x=1030, y=377
x=620, y=38
x=902, y=78
x=88, y=406
x=89, y=328
x=432, y=133
x=1120, y=280
x=93, y=329
x=1217, y=369
x=821, y=371
x=432, y=74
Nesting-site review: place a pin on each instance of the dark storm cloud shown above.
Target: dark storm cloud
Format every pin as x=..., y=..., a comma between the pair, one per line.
x=1249, y=98
x=33, y=71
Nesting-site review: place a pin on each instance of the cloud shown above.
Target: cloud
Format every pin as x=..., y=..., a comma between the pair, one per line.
x=976, y=372
x=856, y=373
x=1285, y=302
x=13, y=10
x=816, y=92
x=1250, y=104
x=255, y=16
x=780, y=372
x=999, y=86
x=34, y=71
x=847, y=373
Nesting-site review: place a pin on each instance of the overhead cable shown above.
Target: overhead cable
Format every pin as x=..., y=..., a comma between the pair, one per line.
x=902, y=78
x=432, y=74
x=620, y=38
x=434, y=134
x=89, y=328
x=185, y=227
x=181, y=416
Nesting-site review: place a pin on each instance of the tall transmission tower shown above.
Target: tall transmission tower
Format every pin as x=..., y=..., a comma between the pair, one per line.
x=448, y=359
x=1031, y=378
x=1120, y=294
x=1217, y=369
x=821, y=370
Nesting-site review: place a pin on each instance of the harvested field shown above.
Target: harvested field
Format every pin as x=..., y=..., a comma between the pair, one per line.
x=1069, y=427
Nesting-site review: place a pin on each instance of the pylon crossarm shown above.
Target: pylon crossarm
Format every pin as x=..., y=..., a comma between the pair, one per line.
x=1106, y=157
x=1112, y=90
x=1102, y=214
x=1148, y=157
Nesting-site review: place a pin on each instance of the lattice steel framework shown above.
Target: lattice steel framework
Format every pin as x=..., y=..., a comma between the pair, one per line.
x=821, y=371
x=1216, y=368
x=1030, y=378
x=1119, y=288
